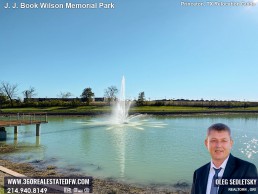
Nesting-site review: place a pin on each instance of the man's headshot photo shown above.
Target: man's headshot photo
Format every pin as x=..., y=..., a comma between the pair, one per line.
x=223, y=164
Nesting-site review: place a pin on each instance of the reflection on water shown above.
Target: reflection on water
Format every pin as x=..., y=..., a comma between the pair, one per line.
x=25, y=151
x=149, y=150
x=249, y=146
x=119, y=143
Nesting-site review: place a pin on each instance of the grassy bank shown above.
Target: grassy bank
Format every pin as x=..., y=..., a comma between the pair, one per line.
x=93, y=110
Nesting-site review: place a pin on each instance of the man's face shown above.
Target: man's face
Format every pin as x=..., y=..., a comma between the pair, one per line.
x=219, y=145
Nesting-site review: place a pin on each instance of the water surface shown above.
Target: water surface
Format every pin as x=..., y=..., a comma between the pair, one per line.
x=160, y=150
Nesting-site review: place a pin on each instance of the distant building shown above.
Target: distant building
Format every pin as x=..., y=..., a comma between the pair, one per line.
x=62, y=99
x=98, y=99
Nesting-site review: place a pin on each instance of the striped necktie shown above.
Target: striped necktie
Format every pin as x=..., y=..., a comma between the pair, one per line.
x=214, y=188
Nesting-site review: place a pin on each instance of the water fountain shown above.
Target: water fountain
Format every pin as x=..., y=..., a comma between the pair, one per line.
x=120, y=117
x=121, y=107
x=120, y=112
x=120, y=122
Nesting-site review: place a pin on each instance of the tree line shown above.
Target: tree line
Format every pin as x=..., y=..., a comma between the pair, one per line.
x=9, y=93
x=9, y=97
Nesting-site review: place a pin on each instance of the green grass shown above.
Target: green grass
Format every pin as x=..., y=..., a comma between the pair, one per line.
x=107, y=109
x=189, y=108
x=167, y=108
x=58, y=109
x=1, y=190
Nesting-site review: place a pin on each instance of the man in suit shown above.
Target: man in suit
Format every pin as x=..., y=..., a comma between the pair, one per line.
x=223, y=164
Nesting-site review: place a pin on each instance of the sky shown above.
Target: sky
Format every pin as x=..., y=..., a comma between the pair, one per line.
x=163, y=49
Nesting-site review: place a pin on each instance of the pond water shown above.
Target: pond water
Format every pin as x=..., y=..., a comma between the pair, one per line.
x=160, y=150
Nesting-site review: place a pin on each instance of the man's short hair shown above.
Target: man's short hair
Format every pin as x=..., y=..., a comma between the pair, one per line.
x=219, y=127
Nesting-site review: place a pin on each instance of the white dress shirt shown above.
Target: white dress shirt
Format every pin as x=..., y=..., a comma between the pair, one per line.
x=212, y=173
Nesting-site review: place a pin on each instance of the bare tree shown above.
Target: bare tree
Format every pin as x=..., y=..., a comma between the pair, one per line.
x=29, y=93
x=110, y=93
x=10, y=90
x=65, y=95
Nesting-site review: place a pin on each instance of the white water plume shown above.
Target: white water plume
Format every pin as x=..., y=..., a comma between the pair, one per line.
x=120, y=117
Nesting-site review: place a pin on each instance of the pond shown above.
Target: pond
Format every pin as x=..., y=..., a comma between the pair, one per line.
x=161, y=150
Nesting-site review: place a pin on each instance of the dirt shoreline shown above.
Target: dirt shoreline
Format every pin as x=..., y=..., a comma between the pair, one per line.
x=101, y=186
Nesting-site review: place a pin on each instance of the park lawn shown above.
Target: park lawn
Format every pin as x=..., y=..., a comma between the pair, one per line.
x=58, y=109
x=182, y=109
x=166, y=108
x=107, y=109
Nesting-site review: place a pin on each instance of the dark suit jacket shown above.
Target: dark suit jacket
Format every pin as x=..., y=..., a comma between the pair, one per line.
x=235, y=168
